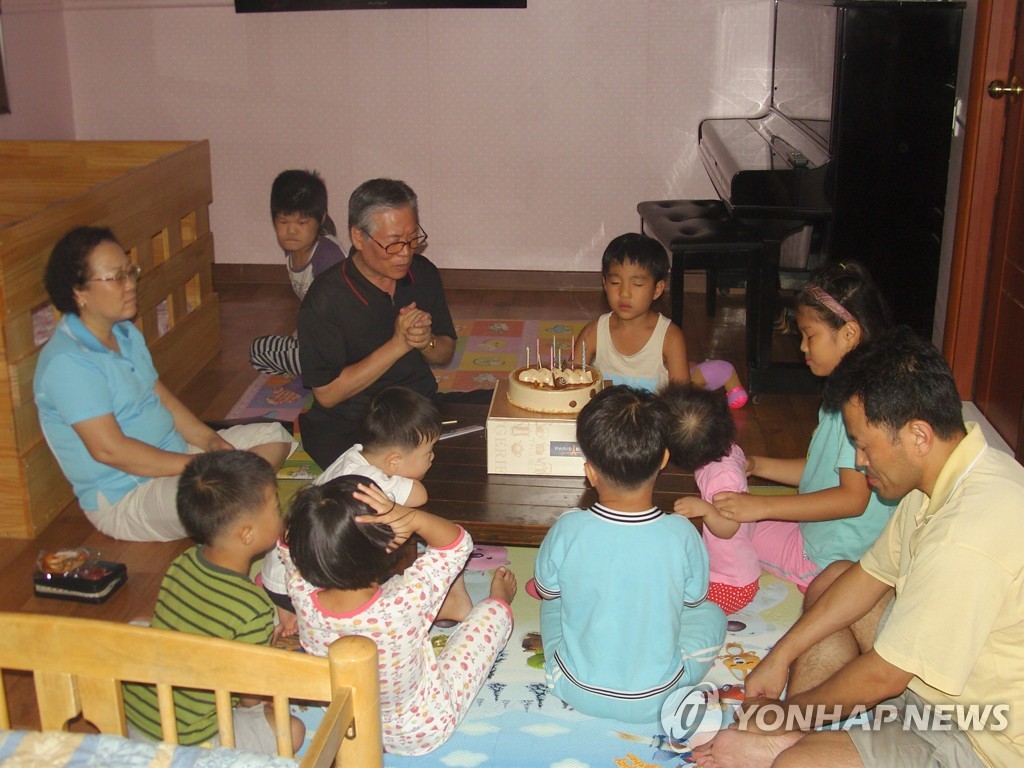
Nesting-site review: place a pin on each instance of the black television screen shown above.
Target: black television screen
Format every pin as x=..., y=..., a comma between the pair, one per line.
x=272, y=6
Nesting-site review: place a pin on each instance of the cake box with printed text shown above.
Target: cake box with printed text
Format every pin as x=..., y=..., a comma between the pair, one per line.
x=522, y=442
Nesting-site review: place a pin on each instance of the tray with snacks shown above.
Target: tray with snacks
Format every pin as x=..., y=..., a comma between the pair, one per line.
x=77, y=574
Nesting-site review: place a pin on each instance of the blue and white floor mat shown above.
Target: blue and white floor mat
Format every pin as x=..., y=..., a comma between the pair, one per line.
x=516, y=723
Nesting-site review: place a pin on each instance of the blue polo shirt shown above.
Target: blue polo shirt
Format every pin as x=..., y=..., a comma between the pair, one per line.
x=77, y=379
x=626, y=582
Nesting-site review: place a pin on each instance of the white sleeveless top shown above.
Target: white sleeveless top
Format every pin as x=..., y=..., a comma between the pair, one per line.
x=644, y=370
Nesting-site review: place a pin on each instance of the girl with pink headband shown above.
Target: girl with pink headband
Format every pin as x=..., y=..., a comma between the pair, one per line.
x=835, y=514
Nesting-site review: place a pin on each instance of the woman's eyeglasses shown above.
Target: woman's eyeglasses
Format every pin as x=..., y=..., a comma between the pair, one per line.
x=122, y=276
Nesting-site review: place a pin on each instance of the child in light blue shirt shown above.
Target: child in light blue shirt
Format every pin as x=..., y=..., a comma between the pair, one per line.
x=624, y=574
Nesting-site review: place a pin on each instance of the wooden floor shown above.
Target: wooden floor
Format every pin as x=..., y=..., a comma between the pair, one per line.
x=778, y=425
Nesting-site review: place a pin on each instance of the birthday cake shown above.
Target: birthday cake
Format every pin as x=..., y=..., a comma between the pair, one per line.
x=547, y=390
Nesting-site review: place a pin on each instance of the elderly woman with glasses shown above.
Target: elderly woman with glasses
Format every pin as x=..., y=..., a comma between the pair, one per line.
x=121, y=437
x=377, y=319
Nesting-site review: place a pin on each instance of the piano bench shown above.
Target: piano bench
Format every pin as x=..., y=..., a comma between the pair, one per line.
x=699, y=234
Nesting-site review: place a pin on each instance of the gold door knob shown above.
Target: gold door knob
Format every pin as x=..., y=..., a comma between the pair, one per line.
x=997, y=89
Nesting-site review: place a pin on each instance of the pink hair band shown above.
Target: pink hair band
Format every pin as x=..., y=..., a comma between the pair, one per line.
x=826, y=300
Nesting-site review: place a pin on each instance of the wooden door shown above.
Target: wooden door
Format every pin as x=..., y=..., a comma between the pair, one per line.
x=999, y=391
x=984, y=288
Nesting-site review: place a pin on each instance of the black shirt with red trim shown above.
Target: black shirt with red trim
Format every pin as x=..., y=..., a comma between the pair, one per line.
x=344, y=318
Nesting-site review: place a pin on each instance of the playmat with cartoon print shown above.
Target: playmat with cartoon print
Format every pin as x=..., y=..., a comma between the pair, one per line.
x=516, y=723
x=485, y=351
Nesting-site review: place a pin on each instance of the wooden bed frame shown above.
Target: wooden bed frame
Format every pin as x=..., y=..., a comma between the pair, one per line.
x=79, y=665
x=155, y=197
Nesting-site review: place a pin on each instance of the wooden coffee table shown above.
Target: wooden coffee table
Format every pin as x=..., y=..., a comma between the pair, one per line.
x=511, y=510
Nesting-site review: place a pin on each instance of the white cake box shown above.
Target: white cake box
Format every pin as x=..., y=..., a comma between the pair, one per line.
x=521, y=442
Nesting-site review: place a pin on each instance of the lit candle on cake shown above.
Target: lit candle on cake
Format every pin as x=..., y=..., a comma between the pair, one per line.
x=583, y=354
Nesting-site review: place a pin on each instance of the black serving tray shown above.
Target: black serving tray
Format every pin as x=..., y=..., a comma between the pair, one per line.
x=90, y=584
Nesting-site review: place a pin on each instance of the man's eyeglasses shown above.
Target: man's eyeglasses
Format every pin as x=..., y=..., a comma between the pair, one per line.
x=122, y=276
x=395, y=248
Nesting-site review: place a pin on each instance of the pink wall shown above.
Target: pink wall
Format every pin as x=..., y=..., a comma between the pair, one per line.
x=36, y=64
x=530, y=135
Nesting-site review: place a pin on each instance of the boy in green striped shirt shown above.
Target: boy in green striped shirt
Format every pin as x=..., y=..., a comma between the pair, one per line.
x=227, y=501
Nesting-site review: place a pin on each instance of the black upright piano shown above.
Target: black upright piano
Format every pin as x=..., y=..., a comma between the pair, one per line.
x=856, y=142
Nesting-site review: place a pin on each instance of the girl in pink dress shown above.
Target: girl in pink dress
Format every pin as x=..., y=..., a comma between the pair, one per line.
x=702, y=440
x=339, y=555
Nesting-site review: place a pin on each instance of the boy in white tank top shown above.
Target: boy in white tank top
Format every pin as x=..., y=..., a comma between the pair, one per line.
x=636, y=345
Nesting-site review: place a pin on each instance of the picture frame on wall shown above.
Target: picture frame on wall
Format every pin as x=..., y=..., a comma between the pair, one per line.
x=274, y=6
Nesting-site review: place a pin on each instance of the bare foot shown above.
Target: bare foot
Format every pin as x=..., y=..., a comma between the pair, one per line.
x=457, y=604
x=503, y=585
x=737, y=749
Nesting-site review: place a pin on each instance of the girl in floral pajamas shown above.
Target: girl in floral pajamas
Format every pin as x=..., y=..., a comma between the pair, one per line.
x=338, y=555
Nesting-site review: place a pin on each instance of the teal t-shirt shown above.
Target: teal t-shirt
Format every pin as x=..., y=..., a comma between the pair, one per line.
x=614, y=580
x=826, y=541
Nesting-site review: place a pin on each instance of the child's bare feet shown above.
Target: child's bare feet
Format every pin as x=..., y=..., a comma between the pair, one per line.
x=503, y=585
x=456, y=605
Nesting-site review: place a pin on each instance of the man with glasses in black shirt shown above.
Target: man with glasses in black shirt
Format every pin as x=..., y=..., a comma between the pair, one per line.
x=377, y=319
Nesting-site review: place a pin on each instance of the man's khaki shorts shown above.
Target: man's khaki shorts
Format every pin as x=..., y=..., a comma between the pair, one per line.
x=894, y=746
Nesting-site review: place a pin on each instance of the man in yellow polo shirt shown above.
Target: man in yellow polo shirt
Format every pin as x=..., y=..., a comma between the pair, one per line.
x=947, y=657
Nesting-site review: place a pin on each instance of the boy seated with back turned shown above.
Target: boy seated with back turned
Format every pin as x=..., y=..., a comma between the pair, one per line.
x=625, y=619
x=306, y=234
x=635, y=344
x=227, y=502
x=399, y=433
